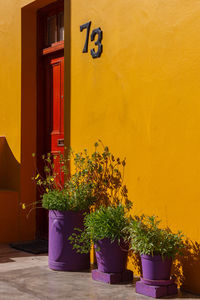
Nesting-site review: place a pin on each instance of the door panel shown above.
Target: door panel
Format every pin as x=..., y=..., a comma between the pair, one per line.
x=54, y=105
x=57, y=116
x=53, y=115
x=57, y=134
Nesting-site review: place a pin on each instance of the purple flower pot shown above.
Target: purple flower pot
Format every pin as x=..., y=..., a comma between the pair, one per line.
x=155, y=267
x=112, y=257
x=61, y=255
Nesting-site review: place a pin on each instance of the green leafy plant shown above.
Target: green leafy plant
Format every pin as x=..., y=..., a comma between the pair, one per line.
x=147, y=237
x=107, y=222
x=58, y=190
x=74, y=198
x=95, y=179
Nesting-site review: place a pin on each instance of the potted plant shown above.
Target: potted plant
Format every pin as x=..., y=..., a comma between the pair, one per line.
x=156, y=246
x=67, y=199
x=106, y=228
x=111, y=199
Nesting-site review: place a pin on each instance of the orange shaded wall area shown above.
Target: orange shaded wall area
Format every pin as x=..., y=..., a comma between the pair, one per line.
x=9, y=218
x=9, y=193
x=141, y=98
x=9, y=167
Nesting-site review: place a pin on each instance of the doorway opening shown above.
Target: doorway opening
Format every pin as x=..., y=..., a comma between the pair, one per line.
x=50, y=92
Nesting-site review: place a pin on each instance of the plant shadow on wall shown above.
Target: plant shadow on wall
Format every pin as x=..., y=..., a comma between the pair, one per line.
x=187, y=267
x=135, y=261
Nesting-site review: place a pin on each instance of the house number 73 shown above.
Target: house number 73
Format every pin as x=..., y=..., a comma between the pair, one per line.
x=98, y=43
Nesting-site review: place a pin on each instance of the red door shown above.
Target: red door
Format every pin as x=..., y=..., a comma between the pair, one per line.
x=55, y=110
x=57, y=133
x=53, y=114
x=55, y=104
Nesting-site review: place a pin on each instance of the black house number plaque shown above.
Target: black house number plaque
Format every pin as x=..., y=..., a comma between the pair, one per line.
x=97, y=41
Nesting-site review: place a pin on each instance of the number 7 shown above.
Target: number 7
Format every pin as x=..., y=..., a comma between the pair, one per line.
x=84, y=26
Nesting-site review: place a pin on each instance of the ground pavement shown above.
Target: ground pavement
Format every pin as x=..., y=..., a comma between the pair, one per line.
x=25, y=276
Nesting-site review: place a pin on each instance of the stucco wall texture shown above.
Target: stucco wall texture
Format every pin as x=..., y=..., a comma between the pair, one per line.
x=141, y=97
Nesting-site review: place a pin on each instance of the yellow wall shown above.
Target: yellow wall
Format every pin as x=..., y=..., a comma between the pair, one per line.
x=142, y=99
x=10, y=73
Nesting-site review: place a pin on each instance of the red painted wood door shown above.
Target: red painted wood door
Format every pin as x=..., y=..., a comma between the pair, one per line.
x=53, y=114
x=56, y=133
x=55, y=104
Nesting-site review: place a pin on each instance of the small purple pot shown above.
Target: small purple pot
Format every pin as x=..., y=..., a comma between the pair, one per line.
x=61, y=255
x=112, y=257
x=155, y=267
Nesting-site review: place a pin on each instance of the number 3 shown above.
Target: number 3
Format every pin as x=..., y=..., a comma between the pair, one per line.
x=98, y=32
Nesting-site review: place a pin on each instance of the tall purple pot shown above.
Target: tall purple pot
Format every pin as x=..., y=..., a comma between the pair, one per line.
x=61, y=255
x=112, y=257
x=155, y=267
